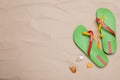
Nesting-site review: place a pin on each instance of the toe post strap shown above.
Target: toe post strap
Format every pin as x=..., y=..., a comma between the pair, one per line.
x=101, y=23
x=92, y=37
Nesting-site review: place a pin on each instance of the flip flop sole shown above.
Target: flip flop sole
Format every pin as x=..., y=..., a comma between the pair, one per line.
x=82, y=41
x=109, y=41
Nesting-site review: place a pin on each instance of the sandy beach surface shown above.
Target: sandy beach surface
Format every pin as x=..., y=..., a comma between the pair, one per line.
x=36, y=39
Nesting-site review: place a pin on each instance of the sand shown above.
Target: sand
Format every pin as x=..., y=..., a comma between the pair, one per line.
x=36, y=39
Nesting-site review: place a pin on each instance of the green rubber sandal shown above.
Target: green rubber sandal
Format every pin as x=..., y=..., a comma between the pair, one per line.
x=107, y=29
x=88, y=45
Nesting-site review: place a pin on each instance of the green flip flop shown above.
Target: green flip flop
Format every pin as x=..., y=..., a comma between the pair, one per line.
x=88, y=45
x=107, y=30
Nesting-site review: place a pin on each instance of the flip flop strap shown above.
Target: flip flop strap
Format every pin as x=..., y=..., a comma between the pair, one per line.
x=91, y=34
x=105, y=26
x=99, y=28
x=90, y=43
